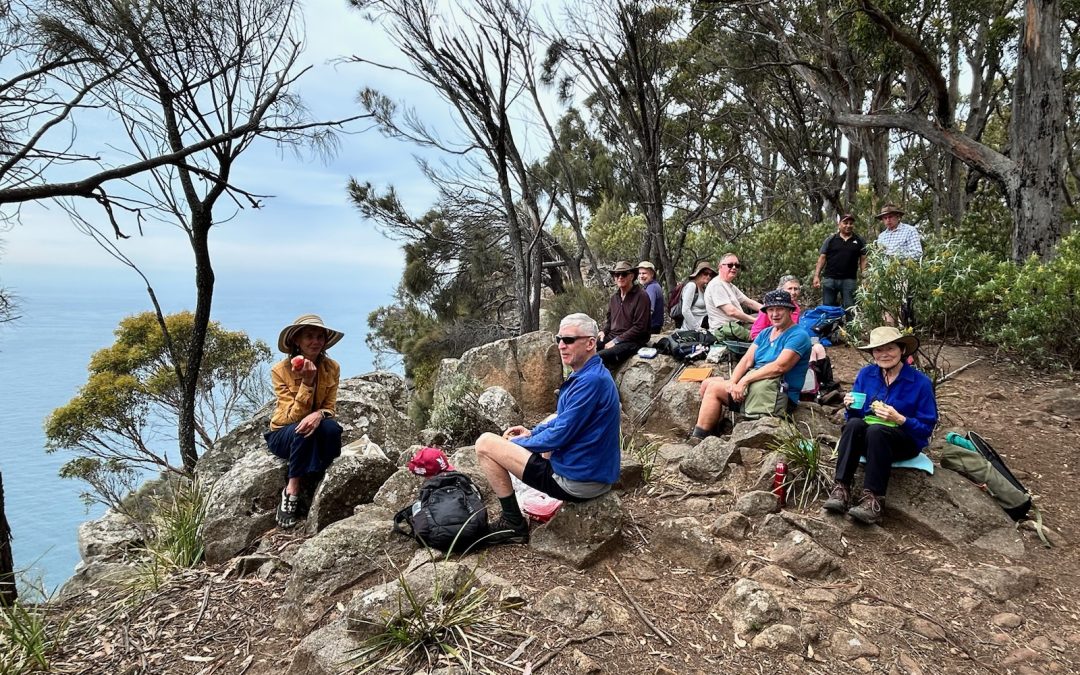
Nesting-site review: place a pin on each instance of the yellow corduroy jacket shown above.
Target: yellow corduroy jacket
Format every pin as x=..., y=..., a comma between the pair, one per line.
x=295, y=400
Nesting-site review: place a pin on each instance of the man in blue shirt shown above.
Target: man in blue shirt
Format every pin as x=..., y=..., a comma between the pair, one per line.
x=574, y=454
x=780, y=351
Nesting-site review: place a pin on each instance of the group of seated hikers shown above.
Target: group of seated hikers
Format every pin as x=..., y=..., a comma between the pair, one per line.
x=574, y=454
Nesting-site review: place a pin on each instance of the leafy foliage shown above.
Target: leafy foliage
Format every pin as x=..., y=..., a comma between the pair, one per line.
x=591, y=300
x=121, y=418
x=456, y=411
x=1034, y=309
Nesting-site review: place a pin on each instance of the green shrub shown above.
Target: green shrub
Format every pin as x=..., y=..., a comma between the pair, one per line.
x=1034, y=309
x=809, y=469
x=945, y=285
x=456, y=411
x=772, y=250
x=592, y=300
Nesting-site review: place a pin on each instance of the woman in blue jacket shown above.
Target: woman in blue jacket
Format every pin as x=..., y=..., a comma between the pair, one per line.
x=892, y=423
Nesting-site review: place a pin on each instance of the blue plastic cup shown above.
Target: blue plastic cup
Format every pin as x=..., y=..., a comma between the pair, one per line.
x=858, y=400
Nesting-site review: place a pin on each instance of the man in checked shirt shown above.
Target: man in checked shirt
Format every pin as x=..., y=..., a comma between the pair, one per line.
x=900, y=240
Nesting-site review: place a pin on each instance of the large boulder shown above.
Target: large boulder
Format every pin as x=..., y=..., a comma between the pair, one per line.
x=528, y=367
x=338, y=558
x=372, y=407
x=655, y=400
x=244, y=439
x=110, y=537
x=750, y=606
x=97, y=577
x=241, y=505
x=709, y=459
x=581, y=533
x=398, y=491
x=499, y=408
x=945, y=504
x=760, y=433
x=686, y=542
x=353, y=479
x=325, y=651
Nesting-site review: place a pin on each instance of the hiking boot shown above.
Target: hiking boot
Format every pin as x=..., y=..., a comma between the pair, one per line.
x=830, y=397
x=869, y=509
x=838, y=499
x=286, y=510
x=502, y=532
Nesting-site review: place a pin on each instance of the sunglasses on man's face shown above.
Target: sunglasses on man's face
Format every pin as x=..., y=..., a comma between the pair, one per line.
x=622, y=274
x=571, y=339
x=731, y=266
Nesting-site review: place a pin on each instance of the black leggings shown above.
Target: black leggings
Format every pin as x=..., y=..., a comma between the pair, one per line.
x=882, y=446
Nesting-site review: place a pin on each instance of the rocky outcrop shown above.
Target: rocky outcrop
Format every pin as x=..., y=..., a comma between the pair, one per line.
x=110, y=537
x=241, y=505
x=686, y=542
x=527, y=367
x=709, y=459
x=499, y=408
x=581, y=533
x=945, y=504
x=353, y=479
x=338, y=558
x=750, y=606
x=97, y=577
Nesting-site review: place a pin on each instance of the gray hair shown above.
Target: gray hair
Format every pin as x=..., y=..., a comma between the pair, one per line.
x=582, y=321
x=785, y=279
x=729, y=254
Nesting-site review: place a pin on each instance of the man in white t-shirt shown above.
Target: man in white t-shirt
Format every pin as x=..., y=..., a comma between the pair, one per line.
x=725, y=302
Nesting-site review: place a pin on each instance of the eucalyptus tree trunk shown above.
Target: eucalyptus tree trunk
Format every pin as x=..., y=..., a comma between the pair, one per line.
x=1037, y=134
x=8, y=593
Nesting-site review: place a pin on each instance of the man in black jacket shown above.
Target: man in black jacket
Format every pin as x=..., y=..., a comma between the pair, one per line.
x=626, y=328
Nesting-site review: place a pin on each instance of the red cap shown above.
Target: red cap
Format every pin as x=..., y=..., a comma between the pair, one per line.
x=429, y=461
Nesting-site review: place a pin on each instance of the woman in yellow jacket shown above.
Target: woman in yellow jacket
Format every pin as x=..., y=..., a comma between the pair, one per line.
x=302, y=430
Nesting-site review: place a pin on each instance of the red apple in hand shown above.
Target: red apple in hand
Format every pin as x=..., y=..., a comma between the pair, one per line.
x=298, y=363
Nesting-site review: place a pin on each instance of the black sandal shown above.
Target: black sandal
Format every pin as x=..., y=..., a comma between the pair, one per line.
x=286, y=511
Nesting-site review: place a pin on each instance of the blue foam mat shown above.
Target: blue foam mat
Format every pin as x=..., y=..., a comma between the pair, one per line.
x=920, y=462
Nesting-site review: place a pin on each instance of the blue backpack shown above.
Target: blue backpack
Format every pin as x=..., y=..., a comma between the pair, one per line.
x=823, y=321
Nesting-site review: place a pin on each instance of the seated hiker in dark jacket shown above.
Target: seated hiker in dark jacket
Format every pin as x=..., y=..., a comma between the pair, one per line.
x=893, y=422
x=627, y=326
x=573, y=455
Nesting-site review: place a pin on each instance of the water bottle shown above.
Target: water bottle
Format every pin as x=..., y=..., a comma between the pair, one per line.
x=778, y=481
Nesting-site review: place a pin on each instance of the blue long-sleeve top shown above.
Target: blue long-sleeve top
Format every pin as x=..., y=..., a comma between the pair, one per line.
x=911, y=393
x=583, y=437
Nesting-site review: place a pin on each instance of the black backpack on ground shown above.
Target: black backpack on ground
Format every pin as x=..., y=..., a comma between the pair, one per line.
x=686, y=345
x=450, y=514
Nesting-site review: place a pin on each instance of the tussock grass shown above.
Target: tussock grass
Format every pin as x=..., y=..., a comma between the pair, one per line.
x=809, y=465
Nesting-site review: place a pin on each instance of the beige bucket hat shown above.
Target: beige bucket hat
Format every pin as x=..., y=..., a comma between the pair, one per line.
x=883, y=335
x=285, y=337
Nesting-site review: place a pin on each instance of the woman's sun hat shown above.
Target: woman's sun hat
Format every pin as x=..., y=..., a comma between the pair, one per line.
x=777, y=298
x=701, y=267
x=285, y=337
x=884, y=335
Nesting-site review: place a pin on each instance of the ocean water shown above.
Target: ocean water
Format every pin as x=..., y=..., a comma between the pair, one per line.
x=43, y=359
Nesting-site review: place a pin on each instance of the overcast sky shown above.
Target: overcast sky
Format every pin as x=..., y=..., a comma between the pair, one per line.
x=309, y=207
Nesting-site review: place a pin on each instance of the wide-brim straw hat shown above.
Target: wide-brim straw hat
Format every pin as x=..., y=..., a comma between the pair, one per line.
x=623, y=266
x=701, y=267
x=285, y=337
x=885, y=335
x=887, y=209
